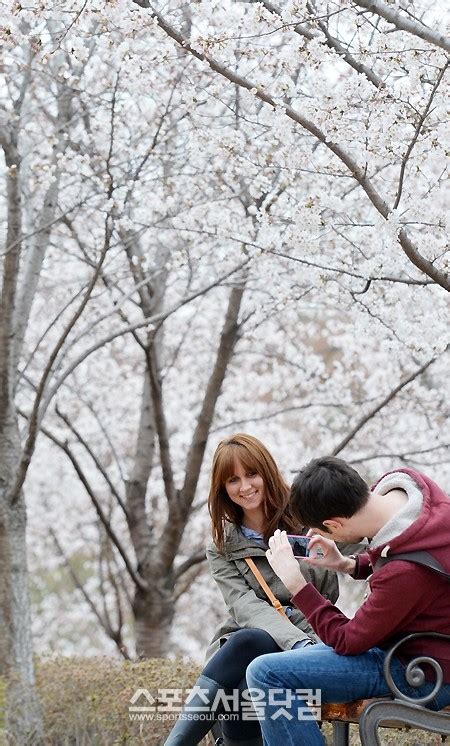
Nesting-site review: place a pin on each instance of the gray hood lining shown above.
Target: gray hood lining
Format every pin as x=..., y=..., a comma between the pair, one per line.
x=406, y=515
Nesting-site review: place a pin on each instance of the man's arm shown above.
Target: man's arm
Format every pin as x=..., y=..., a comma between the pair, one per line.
x=397, y=598
x=399, y=594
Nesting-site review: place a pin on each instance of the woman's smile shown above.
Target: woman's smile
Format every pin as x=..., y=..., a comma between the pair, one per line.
x=245, y=487
x=250, y=495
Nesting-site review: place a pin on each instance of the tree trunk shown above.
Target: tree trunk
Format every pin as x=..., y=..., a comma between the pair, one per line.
x=141, y=532
x=153, y=613
x=23, y=718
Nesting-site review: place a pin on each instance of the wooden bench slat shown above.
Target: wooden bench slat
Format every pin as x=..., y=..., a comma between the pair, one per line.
x=350, y=712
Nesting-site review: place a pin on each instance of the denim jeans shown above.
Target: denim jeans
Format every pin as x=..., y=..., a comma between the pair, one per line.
x=341, y=678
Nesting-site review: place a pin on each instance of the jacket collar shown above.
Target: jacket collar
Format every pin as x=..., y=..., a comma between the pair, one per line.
x=237, y=545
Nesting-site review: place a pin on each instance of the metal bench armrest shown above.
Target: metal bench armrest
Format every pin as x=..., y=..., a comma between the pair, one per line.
x=414, y=674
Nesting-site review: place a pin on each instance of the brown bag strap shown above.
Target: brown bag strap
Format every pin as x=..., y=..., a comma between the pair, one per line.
x=272, y=598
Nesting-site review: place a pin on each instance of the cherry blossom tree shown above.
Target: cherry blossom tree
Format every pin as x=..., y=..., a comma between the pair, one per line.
x=227, y=216
x=393, y=103
x=42, y=340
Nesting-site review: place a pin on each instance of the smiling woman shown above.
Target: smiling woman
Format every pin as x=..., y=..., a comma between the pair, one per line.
x=248, y=490
x=248, y=501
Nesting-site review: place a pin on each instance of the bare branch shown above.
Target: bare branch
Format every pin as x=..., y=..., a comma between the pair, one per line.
x=139, y=582
x=406, y=456
x=156, y=318
x=161, y=423
x=64, y=33
x=115, y=635
x=117, y=632
x=418, y=129
x=194, y=559
x=179, y=510
x=51, y=325
x=271, y=415
x=34, y=418
x=94, y=458
x=225, y=350
x=46, y=226
x=78, y=583
x=187, y=581
x=136, y=578
x=136, y=485
x=370, y=415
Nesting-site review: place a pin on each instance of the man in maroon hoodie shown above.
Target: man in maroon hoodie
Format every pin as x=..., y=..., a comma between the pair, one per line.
x=404, y=512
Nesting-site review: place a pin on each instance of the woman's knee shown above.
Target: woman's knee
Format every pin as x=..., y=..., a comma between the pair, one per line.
x=229, y=664
x=252, y=642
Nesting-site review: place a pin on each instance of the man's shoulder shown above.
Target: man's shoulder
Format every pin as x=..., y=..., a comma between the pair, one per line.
x=405, y=572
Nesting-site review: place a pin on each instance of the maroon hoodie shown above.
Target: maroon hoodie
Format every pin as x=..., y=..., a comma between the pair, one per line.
x=404, y=597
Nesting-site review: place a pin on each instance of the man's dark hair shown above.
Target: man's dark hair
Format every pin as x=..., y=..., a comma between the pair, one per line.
x=327, y=488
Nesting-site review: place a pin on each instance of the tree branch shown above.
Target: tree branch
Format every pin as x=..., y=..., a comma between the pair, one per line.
x=37, y=251
x=225, y=350
x=94, y=458
x=419, y=126
x=104, y=623
x=9, y=282
x=330, y=41
x=335, y=44
x=179, y=511
x=139, y=582
x=439, y=276
x=414, y=27
x=156, y=318
x=392, y=394
x=33, y=426
x=406, y=456
x=194, y=559
x=136, y=486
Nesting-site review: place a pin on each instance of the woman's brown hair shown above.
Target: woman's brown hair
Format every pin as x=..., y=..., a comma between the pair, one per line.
x=253, y=455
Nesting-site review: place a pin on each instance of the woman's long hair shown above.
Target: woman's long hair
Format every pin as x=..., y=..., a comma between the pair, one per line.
x=253, y=456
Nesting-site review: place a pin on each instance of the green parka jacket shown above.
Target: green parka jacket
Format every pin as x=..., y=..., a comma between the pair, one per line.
x=245, y=600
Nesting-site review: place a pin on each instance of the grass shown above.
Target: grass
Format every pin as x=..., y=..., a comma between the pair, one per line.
x=85, y=702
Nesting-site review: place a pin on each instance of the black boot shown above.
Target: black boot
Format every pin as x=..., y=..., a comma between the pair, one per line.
x=241, y=732
x=256, y=741
x=190, y=732
x=221, y=739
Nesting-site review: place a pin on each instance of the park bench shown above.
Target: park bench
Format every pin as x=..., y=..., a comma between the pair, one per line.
x=399, y=711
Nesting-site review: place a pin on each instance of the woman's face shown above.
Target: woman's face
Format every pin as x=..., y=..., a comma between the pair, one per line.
x=245, y=487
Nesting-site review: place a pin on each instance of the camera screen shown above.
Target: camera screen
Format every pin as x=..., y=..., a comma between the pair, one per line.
x=299, y=545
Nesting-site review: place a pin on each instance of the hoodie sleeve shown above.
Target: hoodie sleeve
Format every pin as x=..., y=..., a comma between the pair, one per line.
x=363, y=567
x=399, y=593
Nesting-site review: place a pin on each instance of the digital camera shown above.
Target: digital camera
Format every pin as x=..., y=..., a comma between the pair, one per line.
x=299, y=545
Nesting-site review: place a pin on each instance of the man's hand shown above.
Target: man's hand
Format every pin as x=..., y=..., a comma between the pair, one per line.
x=283, y=562
x=324, y=553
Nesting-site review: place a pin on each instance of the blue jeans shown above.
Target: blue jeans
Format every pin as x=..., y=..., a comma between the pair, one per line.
x=341, y=678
